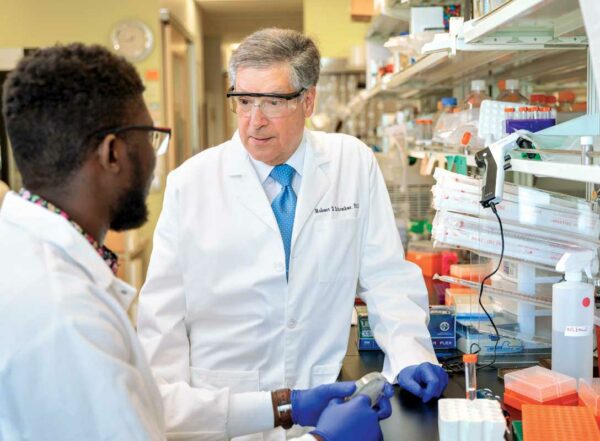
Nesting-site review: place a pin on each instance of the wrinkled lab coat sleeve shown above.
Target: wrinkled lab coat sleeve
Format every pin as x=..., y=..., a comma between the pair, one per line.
x=194, y=412
x=87, y=378
x=392, y=287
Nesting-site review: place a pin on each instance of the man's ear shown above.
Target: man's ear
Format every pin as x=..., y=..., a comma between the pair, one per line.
x=309, y=101
x=110, y=154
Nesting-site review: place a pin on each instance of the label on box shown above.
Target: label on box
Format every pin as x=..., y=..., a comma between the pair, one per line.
x=577, y=331
x=442, y=327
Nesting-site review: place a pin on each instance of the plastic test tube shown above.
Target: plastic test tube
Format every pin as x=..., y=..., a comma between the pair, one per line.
x=523, y=112
x=470, y=361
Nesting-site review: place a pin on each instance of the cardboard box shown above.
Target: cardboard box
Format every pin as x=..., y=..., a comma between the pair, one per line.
x=365, y=340
x=442, y=327
x=424, y=19
x=361, y=10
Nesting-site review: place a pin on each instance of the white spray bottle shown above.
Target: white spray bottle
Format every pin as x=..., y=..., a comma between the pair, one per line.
x=573, y=316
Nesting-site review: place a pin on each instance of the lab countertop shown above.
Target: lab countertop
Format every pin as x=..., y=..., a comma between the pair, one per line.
x=411, y=419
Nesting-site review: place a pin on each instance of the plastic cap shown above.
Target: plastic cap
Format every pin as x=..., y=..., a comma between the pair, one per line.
x=448, y=101
x=537, y=98
x=574, y=263
x=587, y=140
x=512, y=84
x=470, y=358
x=565, y=96
x=478, y=85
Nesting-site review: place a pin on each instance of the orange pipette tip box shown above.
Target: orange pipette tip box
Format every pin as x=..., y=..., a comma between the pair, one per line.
x=559, y=423
x=517, y=400
x=589, y=395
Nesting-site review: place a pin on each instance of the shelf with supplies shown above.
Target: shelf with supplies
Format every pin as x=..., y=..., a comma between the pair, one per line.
x=434, y=151
x=442, y=70
x=540, y=168
x=542, y=41
x=528, y=18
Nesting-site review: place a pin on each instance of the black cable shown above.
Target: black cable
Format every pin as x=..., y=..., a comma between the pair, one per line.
x=493, y=207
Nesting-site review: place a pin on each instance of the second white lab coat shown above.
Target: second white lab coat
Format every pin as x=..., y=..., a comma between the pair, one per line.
x=216, y=314
x=71, y=366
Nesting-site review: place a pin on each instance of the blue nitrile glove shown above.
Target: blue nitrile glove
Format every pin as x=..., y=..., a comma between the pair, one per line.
x=352, y=420
x=425, y=380
x=383, y=406
x=308, y=404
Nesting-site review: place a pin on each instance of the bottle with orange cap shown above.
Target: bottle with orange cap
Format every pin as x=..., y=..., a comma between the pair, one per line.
x=566, y=98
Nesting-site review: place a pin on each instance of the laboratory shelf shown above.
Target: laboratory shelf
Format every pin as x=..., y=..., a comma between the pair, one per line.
x=534, y=40
x=384, y=26
x=435, y=151
x=441, y=70
x=537, y=300
x=528, y=18
x=559, y=170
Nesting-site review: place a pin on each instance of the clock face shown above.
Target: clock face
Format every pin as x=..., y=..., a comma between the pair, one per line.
x=132, y=39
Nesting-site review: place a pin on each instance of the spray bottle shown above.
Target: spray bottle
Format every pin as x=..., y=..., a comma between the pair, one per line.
x=573, y=316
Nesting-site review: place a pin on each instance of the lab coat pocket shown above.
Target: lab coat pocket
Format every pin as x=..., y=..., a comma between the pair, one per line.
x=337, y=249
x=236, y=381
x=324, y=373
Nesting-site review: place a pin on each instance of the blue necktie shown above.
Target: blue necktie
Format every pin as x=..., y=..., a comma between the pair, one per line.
x=284, y=207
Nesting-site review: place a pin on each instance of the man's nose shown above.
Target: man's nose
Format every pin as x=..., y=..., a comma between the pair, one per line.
x=257, y=116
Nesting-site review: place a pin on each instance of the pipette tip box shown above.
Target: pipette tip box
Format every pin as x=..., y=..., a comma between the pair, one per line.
x=559, y=423
x=538, y=385
x=589, y=395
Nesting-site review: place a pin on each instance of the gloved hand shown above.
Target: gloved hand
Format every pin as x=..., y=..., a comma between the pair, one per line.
x=424, y=380
x=308, y=404
x=352, y=420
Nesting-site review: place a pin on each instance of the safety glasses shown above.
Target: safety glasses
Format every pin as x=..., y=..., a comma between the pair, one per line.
x=157, y=136
x=272, y=105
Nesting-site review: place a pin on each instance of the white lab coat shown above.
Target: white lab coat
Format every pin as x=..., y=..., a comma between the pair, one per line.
x=216, y=311
x=71, y=366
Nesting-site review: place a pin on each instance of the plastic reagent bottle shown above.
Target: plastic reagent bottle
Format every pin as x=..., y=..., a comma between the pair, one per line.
x=477, y=95
x=512, y=94
x=573, y=316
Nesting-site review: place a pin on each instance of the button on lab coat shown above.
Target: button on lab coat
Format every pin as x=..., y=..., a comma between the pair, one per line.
x=71, y=366
x=217, y=314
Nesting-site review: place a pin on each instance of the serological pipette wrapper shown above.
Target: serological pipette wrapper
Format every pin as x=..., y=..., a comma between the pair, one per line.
x=521, y=243
x=532, y=207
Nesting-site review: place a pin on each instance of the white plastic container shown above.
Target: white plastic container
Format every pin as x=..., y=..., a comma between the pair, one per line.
x=470, y=420
x=573, y=317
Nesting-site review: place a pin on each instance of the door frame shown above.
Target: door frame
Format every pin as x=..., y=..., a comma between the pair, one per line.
x=168, y=23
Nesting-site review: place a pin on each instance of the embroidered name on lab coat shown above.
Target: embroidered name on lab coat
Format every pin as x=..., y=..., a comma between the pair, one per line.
x=333, y=208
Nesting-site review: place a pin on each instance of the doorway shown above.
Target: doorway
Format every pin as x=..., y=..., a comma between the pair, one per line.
x=180, y=90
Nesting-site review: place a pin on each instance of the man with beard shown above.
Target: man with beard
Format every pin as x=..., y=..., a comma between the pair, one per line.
x=71, y=367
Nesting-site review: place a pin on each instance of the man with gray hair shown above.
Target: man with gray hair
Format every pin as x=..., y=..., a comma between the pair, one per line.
x=261, y=247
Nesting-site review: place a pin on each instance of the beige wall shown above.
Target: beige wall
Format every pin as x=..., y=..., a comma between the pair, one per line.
x=329, y=24
x=35, y=23
x=38, y=23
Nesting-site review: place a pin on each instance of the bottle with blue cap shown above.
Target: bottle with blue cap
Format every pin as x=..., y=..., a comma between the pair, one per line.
x=573, y=315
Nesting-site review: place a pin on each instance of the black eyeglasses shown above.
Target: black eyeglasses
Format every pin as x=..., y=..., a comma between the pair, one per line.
x=273, y=105
x=158, y=136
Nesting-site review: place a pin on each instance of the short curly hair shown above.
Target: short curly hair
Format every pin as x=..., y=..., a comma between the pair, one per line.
x=55, y=99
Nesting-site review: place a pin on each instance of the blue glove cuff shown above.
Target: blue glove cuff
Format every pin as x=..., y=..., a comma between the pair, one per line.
x=321, y=434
